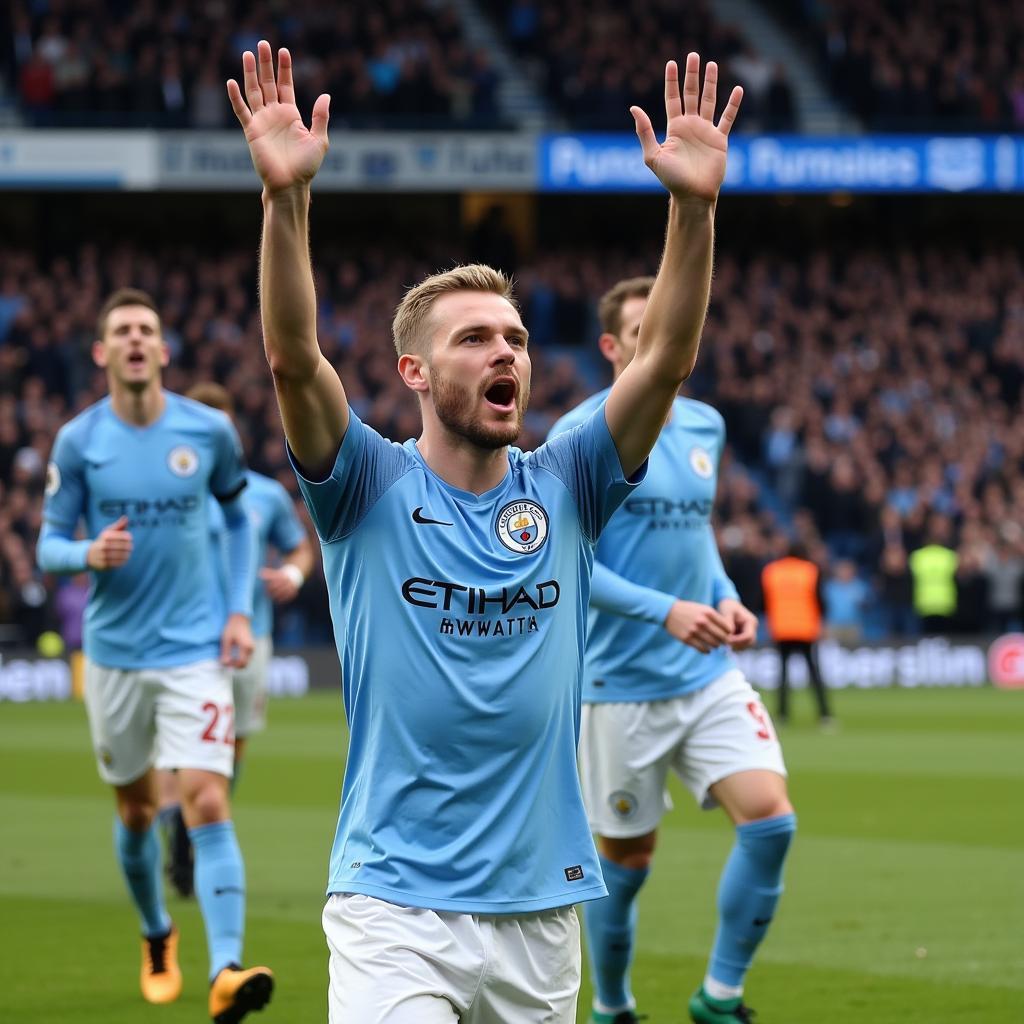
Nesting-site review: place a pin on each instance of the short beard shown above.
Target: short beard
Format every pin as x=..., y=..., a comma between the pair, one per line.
x=454, y=404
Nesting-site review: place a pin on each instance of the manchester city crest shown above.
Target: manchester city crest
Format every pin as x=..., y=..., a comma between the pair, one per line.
x=623, y=803
x=183, y=460
x=522, y=526
x=700, y=462
x=52, y=479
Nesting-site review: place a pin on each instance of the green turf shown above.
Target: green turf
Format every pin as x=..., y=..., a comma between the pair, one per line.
x=904, y=900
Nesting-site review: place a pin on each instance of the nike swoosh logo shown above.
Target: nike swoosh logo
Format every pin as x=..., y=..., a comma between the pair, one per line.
x=760, y=922
x=419, y=517
x=228, y=888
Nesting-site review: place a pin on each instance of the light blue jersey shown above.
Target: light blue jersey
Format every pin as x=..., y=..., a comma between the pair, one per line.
x=160, y=607
x=657, y=548
x=274, y=522
x=460, y=623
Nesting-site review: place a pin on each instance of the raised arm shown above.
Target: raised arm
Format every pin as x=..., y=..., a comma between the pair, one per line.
x=690, y=163
x=286, y=156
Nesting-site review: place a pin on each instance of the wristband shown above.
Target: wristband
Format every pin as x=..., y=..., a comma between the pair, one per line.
x=294, y=573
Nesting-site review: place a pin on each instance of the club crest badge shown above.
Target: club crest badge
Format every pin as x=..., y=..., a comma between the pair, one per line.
x=52, y=480
x=623, y=803
x=522, y=526
x=700, y=462
x=183, y=460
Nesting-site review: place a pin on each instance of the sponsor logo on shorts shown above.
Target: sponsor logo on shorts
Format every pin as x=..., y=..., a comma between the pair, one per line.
x=574, y=874
x=623, y=803
x=105, y=756
x=183, y=460
x=522, y=526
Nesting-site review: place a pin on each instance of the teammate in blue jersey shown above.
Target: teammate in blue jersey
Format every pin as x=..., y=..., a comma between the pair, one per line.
x=458, y=570
x=274, y=524
x=652, y=704
x=137, y=469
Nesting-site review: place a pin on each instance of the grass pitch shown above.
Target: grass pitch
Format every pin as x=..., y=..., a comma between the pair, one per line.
x=904, y=899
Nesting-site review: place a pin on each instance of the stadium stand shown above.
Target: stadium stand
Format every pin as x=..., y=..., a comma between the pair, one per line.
x=400, y=64
x=940, y=65
x=866, y=395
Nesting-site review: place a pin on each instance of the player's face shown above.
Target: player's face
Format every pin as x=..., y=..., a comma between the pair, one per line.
x=132, y=349
x=632, y=312
x=479, y=368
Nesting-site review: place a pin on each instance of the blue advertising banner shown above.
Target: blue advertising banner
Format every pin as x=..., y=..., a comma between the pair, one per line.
x=874, y=163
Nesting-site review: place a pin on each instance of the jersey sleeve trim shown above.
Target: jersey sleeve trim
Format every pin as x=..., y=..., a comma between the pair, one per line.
x=224, y=499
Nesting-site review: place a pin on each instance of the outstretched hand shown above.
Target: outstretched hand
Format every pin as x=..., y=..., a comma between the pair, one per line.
x=690, y=163
x=284, y=151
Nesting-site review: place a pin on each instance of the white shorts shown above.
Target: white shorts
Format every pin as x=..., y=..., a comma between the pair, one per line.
x=250, y=686
x=177, y=717
x=627, y=749
x=404, y=965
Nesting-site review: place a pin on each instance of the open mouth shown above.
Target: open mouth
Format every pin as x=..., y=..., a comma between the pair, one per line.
x=502, y=394
x=136, y=359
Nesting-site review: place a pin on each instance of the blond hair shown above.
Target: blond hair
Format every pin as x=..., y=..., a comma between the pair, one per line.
x=212, y=394
x=609, y=308
x=412, y=313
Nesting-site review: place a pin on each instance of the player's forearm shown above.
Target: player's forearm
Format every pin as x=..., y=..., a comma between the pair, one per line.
x=287, y=295
x=610, y=592
x=301, y=558
x=309, y=392
x=674, y=318
x=241, y=558
x=642, y=395
x=59, y=554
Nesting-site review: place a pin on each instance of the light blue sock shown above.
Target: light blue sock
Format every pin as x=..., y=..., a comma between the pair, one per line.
x=138, y=853
x=610, y=924
x=747, y=894
x=220, y=889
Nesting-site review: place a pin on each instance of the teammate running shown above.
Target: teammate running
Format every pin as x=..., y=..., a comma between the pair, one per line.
x=138, y=467
x=652, y=704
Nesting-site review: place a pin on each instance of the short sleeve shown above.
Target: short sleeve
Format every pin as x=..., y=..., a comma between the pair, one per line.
x=585, y=459
x=227, y=480
x=64, y=496
x=364, y=470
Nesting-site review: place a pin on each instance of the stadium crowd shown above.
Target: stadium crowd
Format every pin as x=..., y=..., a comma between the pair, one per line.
x=399, y=64
x=872, y=400
x=595, y=59
x=943, y=66
x=937, y=65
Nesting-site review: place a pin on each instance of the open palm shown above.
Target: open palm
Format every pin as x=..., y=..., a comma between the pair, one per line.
x=284, y=151
x=690, y=163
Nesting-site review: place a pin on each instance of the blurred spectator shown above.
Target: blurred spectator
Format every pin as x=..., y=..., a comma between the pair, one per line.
x=896, y=591
x=846, y=598
x=1004, y=573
